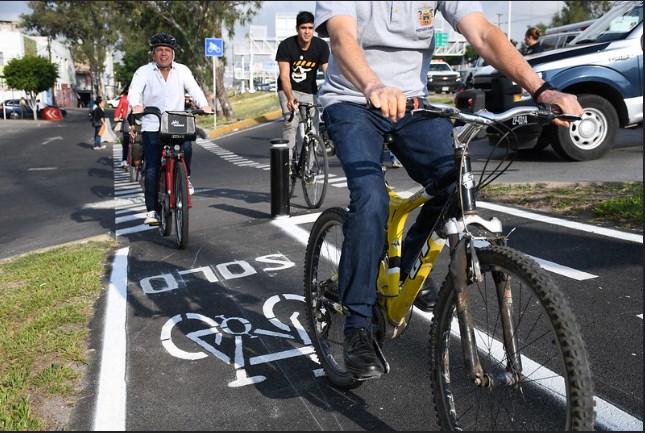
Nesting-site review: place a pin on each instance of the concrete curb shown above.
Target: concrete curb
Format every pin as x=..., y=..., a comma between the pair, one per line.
x=244, y=124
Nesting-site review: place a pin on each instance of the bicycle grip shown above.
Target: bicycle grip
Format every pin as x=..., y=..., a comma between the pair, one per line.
x=293, y=112
x=557, y=111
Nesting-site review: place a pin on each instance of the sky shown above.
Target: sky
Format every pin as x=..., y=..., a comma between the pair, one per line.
x=523, y=14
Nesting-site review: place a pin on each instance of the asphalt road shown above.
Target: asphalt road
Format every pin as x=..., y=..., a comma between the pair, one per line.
x=158, y=362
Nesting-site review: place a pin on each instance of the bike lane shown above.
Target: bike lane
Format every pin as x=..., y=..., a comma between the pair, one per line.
x=212, y=337
x=215, y=335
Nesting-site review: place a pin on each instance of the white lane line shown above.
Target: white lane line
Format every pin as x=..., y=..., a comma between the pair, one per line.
x=109, y=414
x=563, y=270
x=631, y=237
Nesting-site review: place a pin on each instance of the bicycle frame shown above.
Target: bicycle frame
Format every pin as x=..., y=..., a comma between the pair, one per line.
x=171, y=156
x=395, y=297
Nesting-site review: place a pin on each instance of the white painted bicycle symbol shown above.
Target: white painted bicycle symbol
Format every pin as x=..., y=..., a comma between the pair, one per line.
x=214, y=48
x=211, y=338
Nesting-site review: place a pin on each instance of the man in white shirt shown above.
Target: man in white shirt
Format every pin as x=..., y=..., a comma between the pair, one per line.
x=161, y=83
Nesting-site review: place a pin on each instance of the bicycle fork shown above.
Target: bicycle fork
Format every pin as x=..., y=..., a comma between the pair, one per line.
x=461, y=271
x=464, y=268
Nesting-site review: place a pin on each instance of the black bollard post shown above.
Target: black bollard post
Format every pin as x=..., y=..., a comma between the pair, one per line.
x=279, y=178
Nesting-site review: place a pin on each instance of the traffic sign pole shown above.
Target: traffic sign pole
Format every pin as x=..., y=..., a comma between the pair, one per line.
x=215, y=92
x=214, y=47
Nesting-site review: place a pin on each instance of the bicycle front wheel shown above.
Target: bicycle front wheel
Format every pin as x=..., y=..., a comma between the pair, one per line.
x=181, y=205
x=323, y=311
x=315, y=172
x=539, y=379
x=294, y=171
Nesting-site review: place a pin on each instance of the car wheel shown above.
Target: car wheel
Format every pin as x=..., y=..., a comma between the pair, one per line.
x=14, y=115
x=592, y=136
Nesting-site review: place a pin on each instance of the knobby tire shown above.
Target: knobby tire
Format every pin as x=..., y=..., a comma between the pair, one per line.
x=556, y=391
x=315, y=172
x=325, y=324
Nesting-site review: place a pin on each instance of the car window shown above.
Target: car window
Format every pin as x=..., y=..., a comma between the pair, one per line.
x=440, y=67
x=614, y=25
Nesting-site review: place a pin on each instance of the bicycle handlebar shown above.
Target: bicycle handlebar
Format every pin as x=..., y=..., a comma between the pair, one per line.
x=300, y=106
x=421, y=107
x=546, y=111
x=155, y=111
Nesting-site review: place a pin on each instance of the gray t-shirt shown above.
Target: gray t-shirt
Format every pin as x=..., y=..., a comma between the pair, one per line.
x=397, y=39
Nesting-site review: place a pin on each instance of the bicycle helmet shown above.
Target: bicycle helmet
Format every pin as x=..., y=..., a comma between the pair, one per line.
x=163, y=39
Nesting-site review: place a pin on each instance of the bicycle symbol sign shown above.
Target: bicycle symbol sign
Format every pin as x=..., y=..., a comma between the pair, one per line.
x=214, y=47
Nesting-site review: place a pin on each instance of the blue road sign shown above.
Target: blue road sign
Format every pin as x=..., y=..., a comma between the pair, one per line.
x=214, y=47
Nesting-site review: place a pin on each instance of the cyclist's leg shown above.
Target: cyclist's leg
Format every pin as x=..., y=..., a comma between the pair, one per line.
x=425, y=160
x=289, y=129
x=125, y=139
x=188, y=154
x=152, y=150
x=358, y=137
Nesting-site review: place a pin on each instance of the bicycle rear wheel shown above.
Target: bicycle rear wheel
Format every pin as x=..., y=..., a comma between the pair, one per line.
x=163, y=198
x=315, y=171
x=553, y=390
x=323, y=312
x=180, y=185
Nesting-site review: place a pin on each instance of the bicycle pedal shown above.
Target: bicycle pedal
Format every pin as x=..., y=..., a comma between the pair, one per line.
x=381, y=357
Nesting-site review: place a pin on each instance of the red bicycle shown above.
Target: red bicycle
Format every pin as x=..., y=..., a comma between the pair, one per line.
x=175, y=128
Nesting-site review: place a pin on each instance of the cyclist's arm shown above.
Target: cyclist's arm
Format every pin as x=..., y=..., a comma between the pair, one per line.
x=493, y=45
x=342, y=31
x=285, y=81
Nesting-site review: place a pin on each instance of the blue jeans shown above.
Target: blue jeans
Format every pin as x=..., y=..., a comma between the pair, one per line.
x=424, y=147
x=151, y=143
x=97, y=137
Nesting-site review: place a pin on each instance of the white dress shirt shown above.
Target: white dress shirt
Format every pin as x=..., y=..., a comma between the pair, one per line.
x=148, y=88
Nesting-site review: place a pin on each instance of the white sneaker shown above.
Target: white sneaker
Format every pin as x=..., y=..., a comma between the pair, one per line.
x=124, y=164
x=191, y=190
x=152, y=219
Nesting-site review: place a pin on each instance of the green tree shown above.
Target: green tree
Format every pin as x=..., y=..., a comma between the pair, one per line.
x=88, y=28
x=33, y=74
x=576, y=11
x=190, y=22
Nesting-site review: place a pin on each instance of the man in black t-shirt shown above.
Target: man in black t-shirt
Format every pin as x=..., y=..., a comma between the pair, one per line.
x=299, y=57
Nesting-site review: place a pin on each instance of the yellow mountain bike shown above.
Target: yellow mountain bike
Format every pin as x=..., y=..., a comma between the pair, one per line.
x=506, y=352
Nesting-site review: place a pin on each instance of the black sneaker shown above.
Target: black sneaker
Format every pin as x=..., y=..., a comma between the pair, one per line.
x=361, y=361
x=427, y=296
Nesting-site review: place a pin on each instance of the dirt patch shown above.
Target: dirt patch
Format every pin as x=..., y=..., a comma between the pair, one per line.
x=576, y=201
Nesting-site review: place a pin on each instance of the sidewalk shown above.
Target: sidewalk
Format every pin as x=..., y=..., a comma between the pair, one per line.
x=236, y=126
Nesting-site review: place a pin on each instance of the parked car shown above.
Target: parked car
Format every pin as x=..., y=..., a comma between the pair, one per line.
x=320, y=78
x=13, y=110
x=269, y=86
x=603, y=66
x=442, y=78
x=114, y=102
x=12, y=107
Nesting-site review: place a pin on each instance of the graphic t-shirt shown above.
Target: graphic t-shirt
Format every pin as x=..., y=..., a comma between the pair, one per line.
x=303, y=64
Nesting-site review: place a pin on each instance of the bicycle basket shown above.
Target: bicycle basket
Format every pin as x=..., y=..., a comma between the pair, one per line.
x=177, y=127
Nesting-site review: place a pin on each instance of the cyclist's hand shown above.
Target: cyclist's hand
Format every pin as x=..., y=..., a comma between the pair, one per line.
x=206, y=109
x=390, y=100
x=292, y=105
x=568, y=104
x=137, y=109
